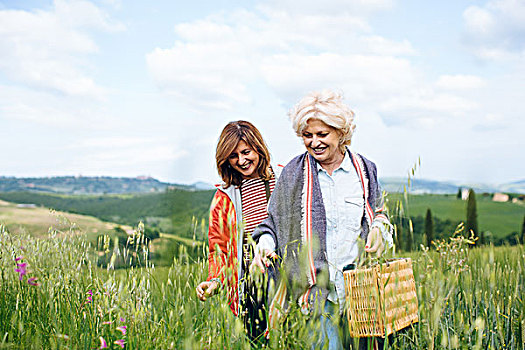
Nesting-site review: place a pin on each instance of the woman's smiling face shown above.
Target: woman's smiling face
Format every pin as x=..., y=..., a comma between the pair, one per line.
x=322, y=142
x=245, y=160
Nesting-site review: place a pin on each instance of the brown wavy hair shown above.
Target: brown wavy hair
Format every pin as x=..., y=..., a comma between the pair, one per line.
x=230, y=137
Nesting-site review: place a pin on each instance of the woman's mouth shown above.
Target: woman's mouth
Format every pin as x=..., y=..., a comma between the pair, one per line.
x=318, y=150
x=245, y=166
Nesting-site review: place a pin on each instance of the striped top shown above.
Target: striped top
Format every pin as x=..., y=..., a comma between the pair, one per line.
x=254, y=203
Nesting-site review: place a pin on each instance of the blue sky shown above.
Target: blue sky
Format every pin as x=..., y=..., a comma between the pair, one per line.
x=128, y=88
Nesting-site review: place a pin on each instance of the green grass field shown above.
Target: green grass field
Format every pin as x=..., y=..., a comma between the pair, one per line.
x=468, y=299
x=499, y=218
x=37, y=221
x=175, y=212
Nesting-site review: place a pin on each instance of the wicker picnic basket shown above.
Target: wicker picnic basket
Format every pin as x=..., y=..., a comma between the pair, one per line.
x=381, y=299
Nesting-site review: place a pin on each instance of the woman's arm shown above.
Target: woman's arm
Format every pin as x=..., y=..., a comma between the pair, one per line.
x=219, y=233
x=380, y=235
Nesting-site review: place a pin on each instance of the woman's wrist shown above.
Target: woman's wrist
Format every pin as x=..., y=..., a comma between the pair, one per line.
x=217, y=281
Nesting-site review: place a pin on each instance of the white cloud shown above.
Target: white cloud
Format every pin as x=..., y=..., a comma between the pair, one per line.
x=215, y=60
x=47, y=49
x=479, y=21
x=363, y=78
x=136, y=155
x=125, y=152
x=460, y=82
x=113, y=141
x=79, y=13
x=496, y=31
x=19, y=104
x=331, y=7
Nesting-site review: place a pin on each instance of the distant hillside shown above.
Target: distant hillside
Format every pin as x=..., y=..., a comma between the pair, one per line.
x=143, y=184
x=514, y=187
x=90, y=185
x=173, y=211
x=419, y=186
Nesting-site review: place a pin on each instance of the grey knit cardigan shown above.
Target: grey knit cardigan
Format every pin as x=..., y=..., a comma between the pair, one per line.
x=284, y=224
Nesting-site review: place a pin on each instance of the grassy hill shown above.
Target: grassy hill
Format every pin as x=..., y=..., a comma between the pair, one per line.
x=173, y=211
x=501, y=219
x=184, y=213
x=37, y=221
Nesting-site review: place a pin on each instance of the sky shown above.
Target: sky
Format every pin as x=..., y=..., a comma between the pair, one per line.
x=132, y=88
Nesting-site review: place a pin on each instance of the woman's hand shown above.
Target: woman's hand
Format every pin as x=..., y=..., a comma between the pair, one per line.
x=206, y=289
x=261, y=259
x=374, y=243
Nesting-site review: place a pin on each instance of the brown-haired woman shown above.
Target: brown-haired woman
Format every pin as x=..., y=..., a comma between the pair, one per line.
x=239, y=205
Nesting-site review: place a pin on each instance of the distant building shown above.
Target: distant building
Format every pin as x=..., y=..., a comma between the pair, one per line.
x=519, y=199
x=464, y=194
x=26, y=205
x=500, y=197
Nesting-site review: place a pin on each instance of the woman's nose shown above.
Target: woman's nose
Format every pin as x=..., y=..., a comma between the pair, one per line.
x=315, y=141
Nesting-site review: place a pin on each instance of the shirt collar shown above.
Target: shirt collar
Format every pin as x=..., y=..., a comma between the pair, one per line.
x=346, y=164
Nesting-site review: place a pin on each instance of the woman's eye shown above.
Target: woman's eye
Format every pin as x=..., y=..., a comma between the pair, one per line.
x=324, y=134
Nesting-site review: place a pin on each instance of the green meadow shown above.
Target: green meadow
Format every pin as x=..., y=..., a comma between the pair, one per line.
x=500, y=219
x=73, y=281
x=469, y=298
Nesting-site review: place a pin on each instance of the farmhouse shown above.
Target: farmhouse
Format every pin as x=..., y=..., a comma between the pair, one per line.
x=29, y=205
x=500, y=197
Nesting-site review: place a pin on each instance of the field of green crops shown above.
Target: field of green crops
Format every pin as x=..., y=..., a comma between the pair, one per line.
x=55, y=297
x=500, y=219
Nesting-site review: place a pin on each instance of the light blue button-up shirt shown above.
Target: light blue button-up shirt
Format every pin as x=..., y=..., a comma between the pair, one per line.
x=344, y=201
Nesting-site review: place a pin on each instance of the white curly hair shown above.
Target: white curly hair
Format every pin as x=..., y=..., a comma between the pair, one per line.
x=328, y=107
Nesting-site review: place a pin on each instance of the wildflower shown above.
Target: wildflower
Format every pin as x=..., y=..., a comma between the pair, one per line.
x=103, y=344
x=19, y=258
x=107, y=322
x=21, y=270
x=122, y=329
x=89, y=297
x=33, y=281
x=122, y=319
x=119, y=342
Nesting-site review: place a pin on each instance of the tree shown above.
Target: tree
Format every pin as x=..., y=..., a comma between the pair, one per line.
x=429, y=228
x=399, y=235
x=523, y=231
x=458, y=196
x=472, y=214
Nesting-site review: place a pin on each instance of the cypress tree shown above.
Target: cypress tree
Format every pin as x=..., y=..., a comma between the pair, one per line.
x=458, y=196
x=399, y=236
x=472, y=214
x=523, y=231
x=429, y=228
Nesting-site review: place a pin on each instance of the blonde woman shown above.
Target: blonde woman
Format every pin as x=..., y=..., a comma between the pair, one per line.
x=327, y=199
